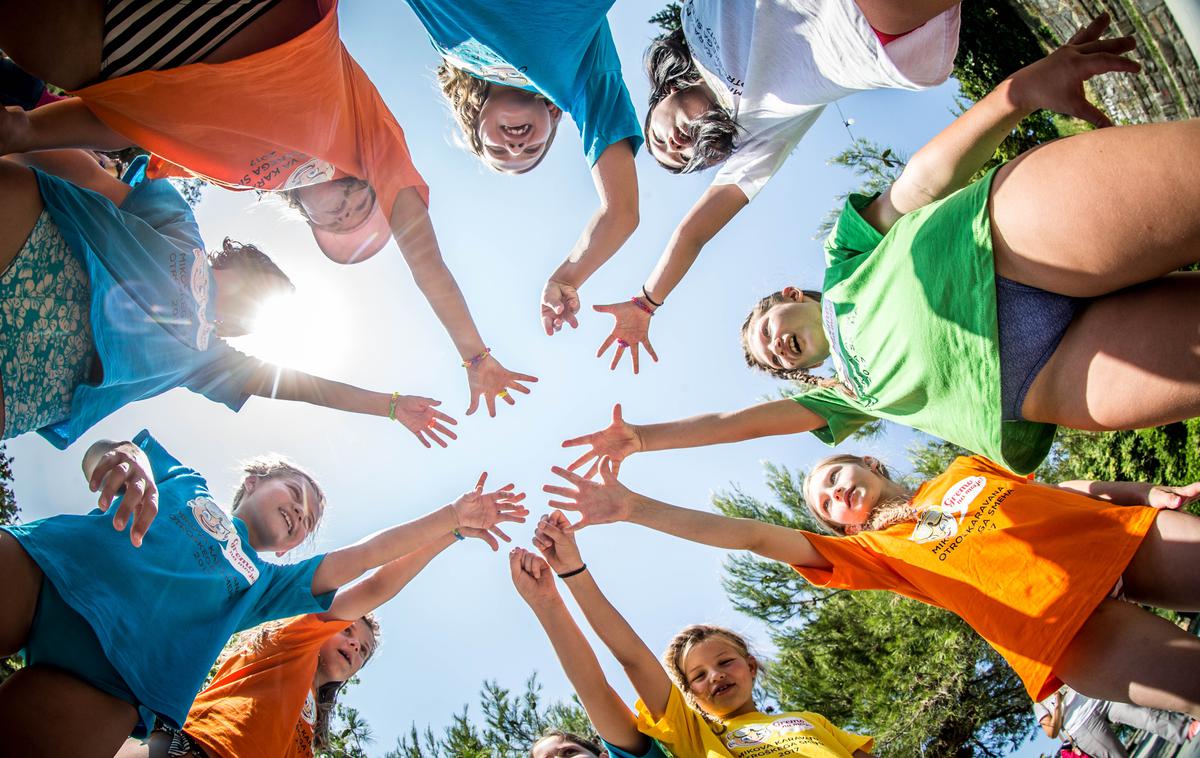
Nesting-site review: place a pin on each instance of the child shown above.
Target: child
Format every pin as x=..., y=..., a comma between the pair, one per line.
x=509, y=72
x=980, y=318
x=740, y=84
x=266, y=99
x=115, y=633
x=139, y=307
x=1088, y=725
x=703, y=704
x=1039, y=572
x=615, y=725
x=274, y=691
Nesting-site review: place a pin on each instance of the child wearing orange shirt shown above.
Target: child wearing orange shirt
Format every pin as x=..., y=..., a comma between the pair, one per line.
x=1038, y=571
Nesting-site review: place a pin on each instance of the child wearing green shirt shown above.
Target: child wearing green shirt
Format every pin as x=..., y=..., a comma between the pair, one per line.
x=988, y=314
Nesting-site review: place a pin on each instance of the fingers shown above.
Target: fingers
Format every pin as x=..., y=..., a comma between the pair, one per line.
x=611, y=308
x=521, y=378
x=501, y=534
x=440, y=429
x=146, y=513
x=585, y=439
x=617, y=357
x=420, y=435
x=1091, y=114
x=563, y=504
x=474, y=402
x=607, y=474
x=589, y=455
x=605, y=345
x=650, y=349
x=443, y=417
x=633, y=352
x=1092, y=31
x=570, y=476
x=569, y=316
x=616, y=416
x=491, y=405
x=479, y=484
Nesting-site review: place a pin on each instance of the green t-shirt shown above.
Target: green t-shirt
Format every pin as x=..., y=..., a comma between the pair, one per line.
x=911, y=321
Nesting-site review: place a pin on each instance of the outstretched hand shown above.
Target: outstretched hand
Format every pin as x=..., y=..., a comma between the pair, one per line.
x=421, y=417
x=603, y=502
x=1174, y=498
x=487, y=535
x=560, y=303
x=556, y=543
x=533, y=578
x=631, y=331
x=124, y=469
x=1056, y=81
x=490, y=380
x=616, y=442
x=483, y=511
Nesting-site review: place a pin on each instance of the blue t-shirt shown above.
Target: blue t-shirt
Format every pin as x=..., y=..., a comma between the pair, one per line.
x=164, y=611
x=655, y=751
x=152, y=300
x=563, y=50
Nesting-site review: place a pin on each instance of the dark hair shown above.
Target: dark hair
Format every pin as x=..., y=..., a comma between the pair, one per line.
x=248, y=261
x=801, y=375
x=587, y=743
x=670, y=67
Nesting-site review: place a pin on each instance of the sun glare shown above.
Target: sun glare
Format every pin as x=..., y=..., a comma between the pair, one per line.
x=309, y=333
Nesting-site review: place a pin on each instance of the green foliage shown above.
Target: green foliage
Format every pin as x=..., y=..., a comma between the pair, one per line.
x=877, y=168
x=8, y=515
x=511, y=724
x=667, y=19
x=348, y=734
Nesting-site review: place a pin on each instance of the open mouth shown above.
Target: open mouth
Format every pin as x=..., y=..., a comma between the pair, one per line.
x=346, y=655
x=517, y=131
x=721, y=689
x=794, y=344
x=286, y=520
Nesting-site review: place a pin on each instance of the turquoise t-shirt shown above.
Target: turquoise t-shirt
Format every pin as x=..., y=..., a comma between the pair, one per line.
x=563, y=50
x=164, y=611
x=655, y=751
x=152, y=300
x=911, y=322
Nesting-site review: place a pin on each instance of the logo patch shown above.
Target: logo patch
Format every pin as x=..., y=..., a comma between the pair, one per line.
x=941, y=522
x=756, y=734
x=218, y=525
x=308, y=714
x=315, y=171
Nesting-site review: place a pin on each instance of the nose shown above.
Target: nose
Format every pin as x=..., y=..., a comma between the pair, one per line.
x=515, y=147
x=839, y=494
x=354, y=644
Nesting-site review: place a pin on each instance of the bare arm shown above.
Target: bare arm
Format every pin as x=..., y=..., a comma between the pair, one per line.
x=617, y=217
x=66, y=123
x=715, y=208
x=79, y=168
x=1135, y=493
x=363, y=597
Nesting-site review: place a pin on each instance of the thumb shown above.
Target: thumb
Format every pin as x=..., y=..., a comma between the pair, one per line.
x=603, y=308
x=617, y=418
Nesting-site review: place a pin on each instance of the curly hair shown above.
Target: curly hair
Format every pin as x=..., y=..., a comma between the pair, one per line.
x=587, y=743
x=677, y=650
x=884, y=514
x=271, y=465
x=249, y=261
x=670, y=66
x=800, y=375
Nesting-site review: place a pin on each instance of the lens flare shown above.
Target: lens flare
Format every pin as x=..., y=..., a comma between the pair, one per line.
x=307, y=333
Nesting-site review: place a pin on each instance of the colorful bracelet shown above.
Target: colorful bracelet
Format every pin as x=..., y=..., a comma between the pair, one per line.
x=649, y=299
x=576, y=572
x=637, y=301
x=392, y=405
x=458, y=535
x=475, y=360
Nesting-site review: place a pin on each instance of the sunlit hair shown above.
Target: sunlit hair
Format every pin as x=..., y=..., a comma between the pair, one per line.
x=670, y=66
x=884, y=514
x=587, y=743
x=250, y=262
x=291, y=197
x=273, y=465
x=465, y=95
x=681, y=645
x=256, y=639
x=801, y=375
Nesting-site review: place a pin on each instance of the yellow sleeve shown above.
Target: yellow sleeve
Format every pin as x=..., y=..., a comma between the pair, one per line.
x=847, y=740
x=681, y=730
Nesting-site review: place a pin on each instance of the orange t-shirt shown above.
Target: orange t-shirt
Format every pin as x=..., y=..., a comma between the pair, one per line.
x=299, y=113
x=1022, y=563
x=261, y=701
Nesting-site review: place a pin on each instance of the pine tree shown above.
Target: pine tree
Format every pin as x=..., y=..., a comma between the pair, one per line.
x=8, y=515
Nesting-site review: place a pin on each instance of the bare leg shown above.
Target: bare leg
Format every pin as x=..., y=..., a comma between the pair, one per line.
x=22, y=585
x=900, y=16
x=1141, y=343
x=19, y=211
x=1157, y=575
x=49, y=714
x=1097, y=212
x=57, y=41
x=1129, y=655
x=155, y=747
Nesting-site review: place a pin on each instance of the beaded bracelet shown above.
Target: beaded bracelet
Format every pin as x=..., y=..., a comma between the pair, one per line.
x=392, y=405
x=458, y=535
x=576, y=572
x=637, y=301
x=475, y=360
x=649, y=299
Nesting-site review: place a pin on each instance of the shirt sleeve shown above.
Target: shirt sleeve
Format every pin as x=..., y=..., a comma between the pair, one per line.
x=386, y=160
x=654, y=751
x=222, y=374
x=762, y=153
x=848, y=740
x=307, y=629
x=841, y=419
x=680, y=729
x=856, y=564
x=288, y=592
x=163, y=465
x=852, y=235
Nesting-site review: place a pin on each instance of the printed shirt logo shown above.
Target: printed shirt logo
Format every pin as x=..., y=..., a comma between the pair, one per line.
x=940, y=522
x=308, y=714
x=200, y=286
x=756, y=734
x=847, y=364
x=481, y=61
x=315, y=171
x=218, y=525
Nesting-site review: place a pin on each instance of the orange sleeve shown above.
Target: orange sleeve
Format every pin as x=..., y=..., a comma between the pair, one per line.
x=856, y=565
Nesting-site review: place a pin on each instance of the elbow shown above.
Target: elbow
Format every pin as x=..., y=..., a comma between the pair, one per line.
x=623, y=217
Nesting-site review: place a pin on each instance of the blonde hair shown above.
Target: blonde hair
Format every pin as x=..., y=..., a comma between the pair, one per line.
x=885, y=513
x=272, y=465
x=677, y=650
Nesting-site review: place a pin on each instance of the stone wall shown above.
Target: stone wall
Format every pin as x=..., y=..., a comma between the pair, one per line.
x=1168, y=87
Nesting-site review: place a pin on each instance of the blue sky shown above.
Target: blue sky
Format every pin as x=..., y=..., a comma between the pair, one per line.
x=461, y=622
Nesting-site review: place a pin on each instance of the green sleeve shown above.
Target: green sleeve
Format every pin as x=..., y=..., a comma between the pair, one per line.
x=852, y=235
x=841, y=418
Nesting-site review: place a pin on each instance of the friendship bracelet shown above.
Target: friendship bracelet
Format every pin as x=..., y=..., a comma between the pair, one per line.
x=637, y=301
x=474, y=360
x=392, y=406
x=458, y=535
x=576, y=572
x=649, y=299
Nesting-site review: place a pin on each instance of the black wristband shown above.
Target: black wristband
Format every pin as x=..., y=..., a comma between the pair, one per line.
x=649, y=299
x=576, y=572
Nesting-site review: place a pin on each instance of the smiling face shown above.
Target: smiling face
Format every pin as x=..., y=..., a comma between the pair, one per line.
x=342, y=205
x=516, y=128
x=280, y=511
x=847, y=491
x=345, y=653
x=720, y=677
x=672, y=123
x=788, y=335
x=559, y=746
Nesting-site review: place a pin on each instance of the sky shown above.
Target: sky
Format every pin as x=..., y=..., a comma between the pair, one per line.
x=461, y=622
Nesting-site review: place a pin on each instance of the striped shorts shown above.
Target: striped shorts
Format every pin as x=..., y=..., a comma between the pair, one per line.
x=152, y=35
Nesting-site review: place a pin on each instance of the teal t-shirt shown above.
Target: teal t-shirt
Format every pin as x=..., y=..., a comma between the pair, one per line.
x=911, y=322
x=563, y=50
x=654, y=751
x=164, y=611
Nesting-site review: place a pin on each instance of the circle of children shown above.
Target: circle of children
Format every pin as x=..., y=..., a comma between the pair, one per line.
x=1018, y=320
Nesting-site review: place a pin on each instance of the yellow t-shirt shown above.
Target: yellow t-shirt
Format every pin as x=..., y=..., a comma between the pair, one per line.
x=797, y=734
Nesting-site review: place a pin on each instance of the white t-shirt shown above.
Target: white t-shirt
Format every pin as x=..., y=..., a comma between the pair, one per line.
x=776, y=64
x=1076, y=710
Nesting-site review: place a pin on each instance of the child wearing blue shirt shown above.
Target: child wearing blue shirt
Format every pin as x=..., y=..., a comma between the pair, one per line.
x=508, y=86
x=117, y=628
